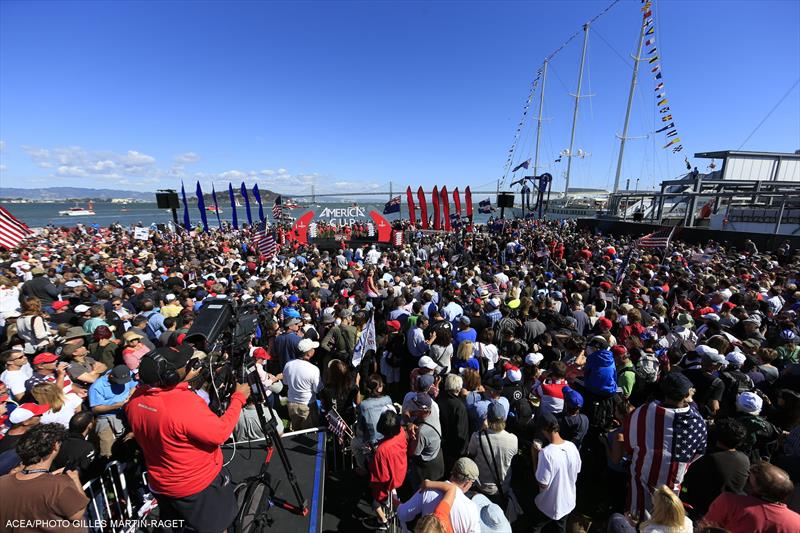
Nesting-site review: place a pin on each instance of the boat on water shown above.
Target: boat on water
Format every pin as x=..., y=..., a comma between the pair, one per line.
x=213, y=209
x=79, y=211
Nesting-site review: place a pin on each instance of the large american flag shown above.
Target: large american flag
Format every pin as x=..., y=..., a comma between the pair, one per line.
x=277, y=208
x=12, y=231
x=265, y=241
x=657, y=239
x=661, y=442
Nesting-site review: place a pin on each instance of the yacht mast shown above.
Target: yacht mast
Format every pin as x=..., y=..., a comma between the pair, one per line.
x=539, y=126
x=575, y=113
x=624, y=136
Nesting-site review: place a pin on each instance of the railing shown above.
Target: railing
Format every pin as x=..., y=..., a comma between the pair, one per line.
x=111, y=505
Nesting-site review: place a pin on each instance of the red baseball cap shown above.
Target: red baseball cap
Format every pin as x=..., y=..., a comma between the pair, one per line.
x=60, y=305
x=393, y=324
x=619, y=349
x=604, y=322
x=261, y=353
x=46, y=357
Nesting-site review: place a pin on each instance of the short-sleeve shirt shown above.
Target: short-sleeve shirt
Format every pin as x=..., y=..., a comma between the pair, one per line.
x=15, y=379
x=442, y=513
x=46, y=497
x=429, y=442
x=558, y=468
x=103, y=392
x=76, y=369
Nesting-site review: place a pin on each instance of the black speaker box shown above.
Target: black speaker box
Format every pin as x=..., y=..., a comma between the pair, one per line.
x=212, y=319
x=505, y=199
x=167, y=200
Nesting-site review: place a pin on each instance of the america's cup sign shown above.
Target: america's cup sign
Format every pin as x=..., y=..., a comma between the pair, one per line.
x=342, y=216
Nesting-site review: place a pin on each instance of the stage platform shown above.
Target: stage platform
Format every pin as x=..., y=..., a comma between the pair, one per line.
x=306, y=454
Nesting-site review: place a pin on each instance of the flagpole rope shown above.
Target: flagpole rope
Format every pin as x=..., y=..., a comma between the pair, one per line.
x=763, y=120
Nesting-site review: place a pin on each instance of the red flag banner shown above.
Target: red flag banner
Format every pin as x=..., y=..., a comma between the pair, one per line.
x=12, y=231
x=423, y=208
x=412, y=216
x=457, y=202
x=446, y=208
x=437, y=221
x=468, y=201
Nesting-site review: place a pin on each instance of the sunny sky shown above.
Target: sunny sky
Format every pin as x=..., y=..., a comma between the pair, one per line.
x=352, y=95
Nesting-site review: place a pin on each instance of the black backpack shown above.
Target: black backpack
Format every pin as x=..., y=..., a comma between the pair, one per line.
x=253, y=499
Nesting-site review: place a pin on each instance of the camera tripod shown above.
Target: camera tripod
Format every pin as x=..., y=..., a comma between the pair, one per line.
x=273, y=442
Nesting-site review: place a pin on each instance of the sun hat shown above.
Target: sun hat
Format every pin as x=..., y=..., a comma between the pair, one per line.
x=749, y=402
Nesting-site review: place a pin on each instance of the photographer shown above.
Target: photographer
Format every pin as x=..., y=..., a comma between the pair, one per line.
x=181, y=439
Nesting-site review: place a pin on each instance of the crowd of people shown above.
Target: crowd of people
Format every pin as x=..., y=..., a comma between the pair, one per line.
x=525, y=376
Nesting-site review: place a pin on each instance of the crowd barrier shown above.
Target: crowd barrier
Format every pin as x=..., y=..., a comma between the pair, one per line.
x=113, y=506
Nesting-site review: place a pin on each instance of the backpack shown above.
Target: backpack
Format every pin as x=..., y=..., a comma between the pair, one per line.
x=254, y=500
x=647, y=368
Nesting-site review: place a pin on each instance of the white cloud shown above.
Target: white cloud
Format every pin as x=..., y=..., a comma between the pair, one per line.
x=233, y=175
x=187, y=158
x=74, y=161
x=2, y=145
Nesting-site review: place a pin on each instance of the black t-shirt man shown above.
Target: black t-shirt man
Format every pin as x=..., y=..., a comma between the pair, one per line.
x=708, y=387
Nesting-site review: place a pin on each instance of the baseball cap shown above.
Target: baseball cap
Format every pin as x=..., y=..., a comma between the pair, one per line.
x=675, y=384
x=45, y=357
x=37, y=271
x=60, y=305
x=26, y=411
x=345, y=313
x=422, y=401
x=293, y=299
x=748, y=402
x=70, y=349
x=533, y=359
x=464, y=320
x=702, y=350
x=81, y=308
x=513, y=374
x=496, y=412
x=120, y=375
x=619, y=350
x=261, y=353
x=513, y=304
x=426, y=362
x=736, y=359
x=604, y=323
x=466, y=467
x=393, y=325
x=572, y=397
x=306, y=345
x=714, y=358
x=598, y=342
x=170, y=297
x=291, y=313
x=289, y=322
x=491, y=516
x=425, y=382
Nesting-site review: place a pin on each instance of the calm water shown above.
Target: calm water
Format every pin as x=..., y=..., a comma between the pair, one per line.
x=39, y=215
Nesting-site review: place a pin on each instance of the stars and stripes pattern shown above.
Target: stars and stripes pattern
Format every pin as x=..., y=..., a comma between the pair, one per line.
x=392, y=206
x=657, y=239
x=338, y=427
x=277, y=208
x=12, y=231
x=661, y=442
x=265, y=241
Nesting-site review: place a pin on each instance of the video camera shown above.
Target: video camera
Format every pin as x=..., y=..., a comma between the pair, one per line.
x=223, y=330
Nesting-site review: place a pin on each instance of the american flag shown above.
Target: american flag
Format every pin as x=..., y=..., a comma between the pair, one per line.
x=661, y=442
x=623, y=268
x=265, y=241
x=337, y=426
x=277, y=208
x=12, y=231
x=657, y=239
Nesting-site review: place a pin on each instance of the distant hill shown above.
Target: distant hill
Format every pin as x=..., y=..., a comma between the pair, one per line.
x=64, y=193
x=82, y=193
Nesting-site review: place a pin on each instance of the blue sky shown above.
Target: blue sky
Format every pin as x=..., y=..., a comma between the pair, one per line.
x=351, y=95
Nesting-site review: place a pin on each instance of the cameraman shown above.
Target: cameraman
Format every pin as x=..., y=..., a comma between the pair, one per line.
x=181, y=439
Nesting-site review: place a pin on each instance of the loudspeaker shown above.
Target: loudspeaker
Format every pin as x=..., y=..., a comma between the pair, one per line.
x=505, y=199
x=167, y=200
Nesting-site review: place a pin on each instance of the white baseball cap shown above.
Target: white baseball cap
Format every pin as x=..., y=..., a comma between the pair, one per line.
x=306, y=344
x=426, y=362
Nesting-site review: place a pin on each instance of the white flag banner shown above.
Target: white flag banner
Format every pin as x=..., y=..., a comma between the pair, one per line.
x=141, y=234
x=366, y=342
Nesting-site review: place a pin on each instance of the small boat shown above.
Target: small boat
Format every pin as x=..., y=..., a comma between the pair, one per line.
x=214, y=209
x=291, y=204
x=79, y=211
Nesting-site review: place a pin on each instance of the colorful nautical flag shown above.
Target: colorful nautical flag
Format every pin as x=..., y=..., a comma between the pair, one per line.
x=650, y=42
x=652, y=59
x=667, y=127
x=676, y=140
x=659, y=86
x=662, y=102
x=665, y=118
x=664, y=110
x=650, y=31
x=653, y=51
x=524, y=164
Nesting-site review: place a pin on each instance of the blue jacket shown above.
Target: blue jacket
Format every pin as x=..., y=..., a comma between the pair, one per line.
x=600, y=374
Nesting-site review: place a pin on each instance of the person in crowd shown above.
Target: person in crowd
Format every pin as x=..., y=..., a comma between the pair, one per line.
x=32, y=327
x=104, y=347
x=453, y=419
x=668, y=516
x=492, y=449
x=388, y=467
x=34, y=494
x=62, y=406
x=83, y=370
x=41, y=288
x=556, y=467
x=107, y=397
x=425, y=435
x=180, y=438
x=134, y=349
x=77, y=450
x=21, y=420
x=302, y=380
x=463, y=513
x=17, y=371
x=761, y=509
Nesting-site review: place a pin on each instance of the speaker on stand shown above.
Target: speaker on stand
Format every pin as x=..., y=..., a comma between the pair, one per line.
x=168, y=199
x=505, y=199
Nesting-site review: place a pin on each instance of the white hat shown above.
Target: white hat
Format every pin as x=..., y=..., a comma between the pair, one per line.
x=306, y=345
x=491, y=515
x=533, y=358
x=81, y=308
x=748, y=402
x=736, y=359
x=426, y=362
x=170, y=297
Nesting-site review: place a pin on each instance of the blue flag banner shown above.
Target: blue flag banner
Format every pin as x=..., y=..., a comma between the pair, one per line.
x=234, y=216
x=201, y=205
x=365, y=343
x=186, y=223
x=247, y=204
x=257, y=196
x=216, y=205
